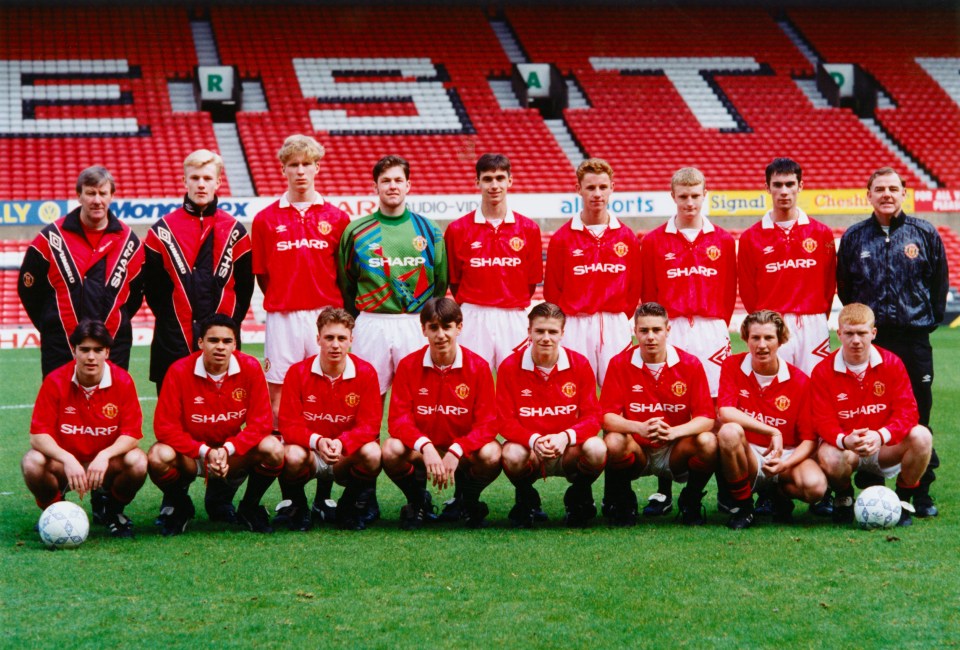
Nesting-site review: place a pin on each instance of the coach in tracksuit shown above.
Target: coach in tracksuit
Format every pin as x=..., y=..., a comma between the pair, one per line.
x=86, y=265
x=896, y=265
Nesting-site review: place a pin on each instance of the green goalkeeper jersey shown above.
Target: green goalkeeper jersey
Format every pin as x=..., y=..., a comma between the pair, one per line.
x=391, y=265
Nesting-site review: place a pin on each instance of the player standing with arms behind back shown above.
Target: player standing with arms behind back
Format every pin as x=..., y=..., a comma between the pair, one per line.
x=495, y=265
x=690, y=267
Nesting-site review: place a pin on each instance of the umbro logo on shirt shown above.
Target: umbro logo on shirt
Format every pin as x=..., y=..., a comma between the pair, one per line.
x=70, y=410
x=424, y=391
x=526, y=392
x=637, y=388
x=670, y=257
x=577, y=252
x=864, y=254
x=198, y=399
x=767, y=250
x=311, y=398
x=744, y=393
x=475, y=245
x=281, y=228
x=842, y=397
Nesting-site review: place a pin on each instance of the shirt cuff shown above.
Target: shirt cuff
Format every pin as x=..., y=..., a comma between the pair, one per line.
x=572, y=435
x=839, y=442
x=231, y=450
x=885, y=435
x=421, y=442
x=203, y=451
x=533, y=440
x=314, y=439
x=456, y=450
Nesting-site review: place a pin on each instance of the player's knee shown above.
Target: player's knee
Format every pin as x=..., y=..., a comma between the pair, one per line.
x=294, y=457
x=489, y=455
x=393, y=449
x=594, y=451
x=730, y=436
x=706, y=444
x=33, y=463
x=270, y=450
x=920, y=438
x=616, y=444
x=161, y=455
x=135, y=462
x=370, y=455
x=514, y=458
x=832, y=460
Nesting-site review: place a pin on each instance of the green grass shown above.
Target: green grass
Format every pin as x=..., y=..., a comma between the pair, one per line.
x=656, y=585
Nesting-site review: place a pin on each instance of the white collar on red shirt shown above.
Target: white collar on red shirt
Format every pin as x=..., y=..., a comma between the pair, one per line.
x=767, y=222
x=747, y=368
x=457, y=359
x=232, y=369
x=673, y=358
x=839, y=365
x=706, y=227
x=285, y=200
x=563, y=361
x=349, y=370
x=479, y=217
x=577, y=223
x=105, y=382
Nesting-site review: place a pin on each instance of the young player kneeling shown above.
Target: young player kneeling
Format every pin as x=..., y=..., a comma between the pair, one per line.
x=214, y=420
x=84, y=432
x=767, y=438
x=548, y=412
x=657, y=420
x=866, y=415
x=330, y=412
x=442, y=419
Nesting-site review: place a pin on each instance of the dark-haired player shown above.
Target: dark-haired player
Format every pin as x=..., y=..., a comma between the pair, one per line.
x=330, y=416
x=657, y=420
x=548, y=413
x=495, y=265
x=767, y=438
x=442, y=422
x=213, y=419
x=85, y=429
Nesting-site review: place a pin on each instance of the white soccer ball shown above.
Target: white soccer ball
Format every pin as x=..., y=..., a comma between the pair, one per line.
x=63, y=525
x=877, y=507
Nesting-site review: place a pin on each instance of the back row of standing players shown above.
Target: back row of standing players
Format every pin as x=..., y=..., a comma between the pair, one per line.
x=306, y=255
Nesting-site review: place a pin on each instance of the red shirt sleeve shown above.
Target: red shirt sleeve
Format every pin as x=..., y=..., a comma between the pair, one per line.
x=730, y=284
x=400, y=421
x=556, y=261
x=826, y=423
x=829, y=268
x=746, y=270
x=454, y=263
x=366, y=426
x=727, y=393
x=507, y=386
x=612, y=393
x=292, y=423
x=131, y=416
x=534, y=253
x=168, y=419
x=259, y=420
x=484, y=411
x=259, y=242
x=648, y=269
x=588, y=424
x=701, y=404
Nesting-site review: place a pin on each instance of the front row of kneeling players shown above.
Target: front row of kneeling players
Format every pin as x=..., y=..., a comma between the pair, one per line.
x=214, y=420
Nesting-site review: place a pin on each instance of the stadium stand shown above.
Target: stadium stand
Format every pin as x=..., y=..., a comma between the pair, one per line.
x=642, y=125
x=904, y=51
x=113, y=109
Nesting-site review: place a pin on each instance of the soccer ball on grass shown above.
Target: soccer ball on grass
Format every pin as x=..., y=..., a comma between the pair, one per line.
x=63, y=525
x=877, y=507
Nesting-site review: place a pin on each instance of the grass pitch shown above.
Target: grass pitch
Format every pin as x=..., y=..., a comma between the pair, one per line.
x=657, y=585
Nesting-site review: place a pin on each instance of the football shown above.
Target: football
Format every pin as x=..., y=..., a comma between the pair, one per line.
x=877, y=507
x=63, y=525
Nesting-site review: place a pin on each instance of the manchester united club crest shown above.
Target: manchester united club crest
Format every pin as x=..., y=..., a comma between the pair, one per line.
x=420, y=243
x=678, y=388
x=110, y=410
x=517, y=243
x=911, y=251
x=351, y=399
x=569, y=389
x=462, y=391
x=879, y=389
x=621, y=249
x=239, y=394
x=28, y=280
x=713, y=252
x=782, y=402
x=809, y=244
x=324, y=227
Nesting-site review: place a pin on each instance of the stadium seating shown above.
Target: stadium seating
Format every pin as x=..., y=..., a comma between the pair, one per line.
x=902, y=50
x=640, y=123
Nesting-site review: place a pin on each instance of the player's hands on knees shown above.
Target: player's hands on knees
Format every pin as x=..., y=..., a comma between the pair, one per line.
x=330, y=450
x=97, y=470
x=775, y=448
x=217, y=462
x=76, y=476
x=450, y=463
x=868, y=442
x=436, y=470
x=651, y=429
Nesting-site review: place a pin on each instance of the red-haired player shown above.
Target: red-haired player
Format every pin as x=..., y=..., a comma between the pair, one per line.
x=330, y=415
x=657, y=419
x=213, y=419
x=767, y=438
x=442, y=422
x=548, y=413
